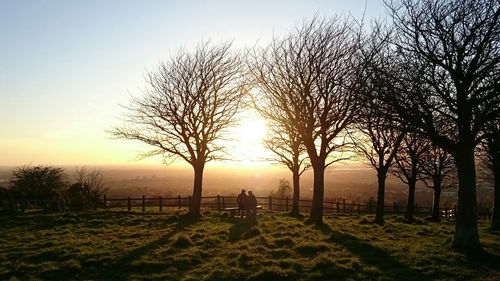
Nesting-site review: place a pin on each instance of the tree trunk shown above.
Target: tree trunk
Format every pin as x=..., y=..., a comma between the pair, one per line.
x=466, y=236
x=197, y=190
x=410, y=207
x=495, y=220
x=436, y=212
x=296, y=193
x=316, y=215
x=379, y=215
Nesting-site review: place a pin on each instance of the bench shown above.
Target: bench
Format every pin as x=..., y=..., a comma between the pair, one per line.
x=233, y=210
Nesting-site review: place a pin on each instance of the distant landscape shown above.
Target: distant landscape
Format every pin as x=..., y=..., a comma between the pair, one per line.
x=354, y=183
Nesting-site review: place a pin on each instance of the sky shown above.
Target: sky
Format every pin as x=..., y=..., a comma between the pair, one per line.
x=67, y=66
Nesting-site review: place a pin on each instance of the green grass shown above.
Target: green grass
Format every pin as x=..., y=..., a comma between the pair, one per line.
x=119, y=246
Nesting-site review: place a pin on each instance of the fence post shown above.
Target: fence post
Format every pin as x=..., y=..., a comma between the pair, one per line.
x=105, y=201
x=223, y=203
x=270, y=203
x=343, y=205
x=128, y=204
x=338, y=207
x=160, y=203
x=455, y=211
x=143, y=203
x=446, y=213
x=218, y=202
x=286, y=203
x=395, y=208
x=179, y=200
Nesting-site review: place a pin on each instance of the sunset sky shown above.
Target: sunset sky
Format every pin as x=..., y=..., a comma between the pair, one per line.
x=66, y=66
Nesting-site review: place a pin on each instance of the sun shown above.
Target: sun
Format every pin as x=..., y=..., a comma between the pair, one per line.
x=247, y=138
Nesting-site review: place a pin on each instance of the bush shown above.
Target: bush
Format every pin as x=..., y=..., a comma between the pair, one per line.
x=80, y=197
x=41, y=185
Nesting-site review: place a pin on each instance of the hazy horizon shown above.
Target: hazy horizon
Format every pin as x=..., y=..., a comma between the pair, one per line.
x=358, y=183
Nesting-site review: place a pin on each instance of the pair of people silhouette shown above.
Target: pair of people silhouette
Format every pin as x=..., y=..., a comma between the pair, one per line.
x=247, y=204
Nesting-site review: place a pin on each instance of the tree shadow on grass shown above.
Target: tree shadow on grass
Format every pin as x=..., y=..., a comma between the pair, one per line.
x=122, y=268
x=99, y=266
x=242, y=228
x=37, y=221
x=484, y=261
x=295, y=215
x=371, y=255
x=185, y=220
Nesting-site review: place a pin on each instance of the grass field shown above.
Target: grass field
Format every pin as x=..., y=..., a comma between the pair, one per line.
x=118, y=245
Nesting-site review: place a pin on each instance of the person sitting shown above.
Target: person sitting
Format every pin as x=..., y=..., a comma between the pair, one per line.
x=242, y=201
x=252, y=205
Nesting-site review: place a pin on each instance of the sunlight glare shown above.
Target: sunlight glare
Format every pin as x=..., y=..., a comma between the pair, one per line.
x=247, y=140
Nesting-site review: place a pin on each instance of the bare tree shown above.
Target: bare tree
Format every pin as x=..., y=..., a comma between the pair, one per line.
x=87, y=189
x=376, y=136
x=286, y=145
x=409, y=166
x=91, y=178
x=378, y=141
x=284, y=188
x=190, y=102
x=446, y=85
x=285, y=142
x=438, y=173
x=491, y=158
x=309, y=76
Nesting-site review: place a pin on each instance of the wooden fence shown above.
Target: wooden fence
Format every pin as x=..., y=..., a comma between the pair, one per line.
x=268, y=203
x=222, y=202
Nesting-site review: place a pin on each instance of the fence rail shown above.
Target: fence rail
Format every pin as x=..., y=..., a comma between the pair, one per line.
x=222, y=202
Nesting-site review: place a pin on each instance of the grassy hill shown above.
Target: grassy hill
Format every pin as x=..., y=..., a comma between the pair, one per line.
x=119, y=246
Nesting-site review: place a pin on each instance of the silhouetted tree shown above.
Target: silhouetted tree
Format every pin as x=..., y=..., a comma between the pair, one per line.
x=376, y=136
x=282, y=192
x=378, y=141
x=282, y=139
x=491, y=158
x=284, y=188
x=409, y=166
x=445, y=86
x=286, y=145
x=190, y=102
x=438, y=173
x=38, y=184
x=87, y=189
x=92, y=178
x=310, y=75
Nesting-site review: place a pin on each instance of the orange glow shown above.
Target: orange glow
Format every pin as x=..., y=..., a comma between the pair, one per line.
x=246, y=145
